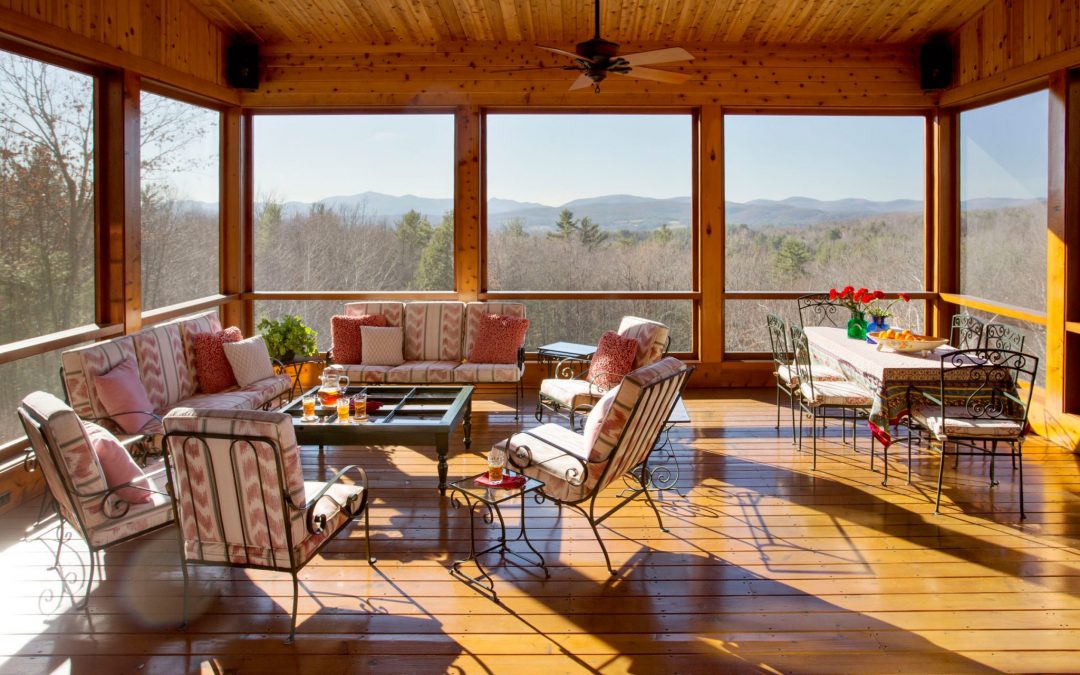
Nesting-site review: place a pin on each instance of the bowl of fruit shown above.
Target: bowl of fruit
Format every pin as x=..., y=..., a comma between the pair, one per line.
x=905, y=340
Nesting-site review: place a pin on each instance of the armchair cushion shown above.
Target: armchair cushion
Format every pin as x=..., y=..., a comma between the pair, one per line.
x=959, y=423
x=163, y=366
x=554, y=454
x=345, y=335
x=651, y=338
x=121, y=391
x=433, y=331
x=830, y=392
x=249, y=360
x=570, y=393
x=498, y=338
x=595, y=421
x=614, y=358
x=117, y=465
x=212, y=367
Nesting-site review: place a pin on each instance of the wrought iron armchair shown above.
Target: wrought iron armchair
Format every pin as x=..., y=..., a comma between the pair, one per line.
x=966, y=331
x=240, y=497
x=627, y=422
x=573, y=391
x=817, y=309
x=1003, y=336
x=984, y=396
x=76, y=482
x=816, y=395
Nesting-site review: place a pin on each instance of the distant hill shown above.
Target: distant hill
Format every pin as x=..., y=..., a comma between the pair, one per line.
x=630, y=212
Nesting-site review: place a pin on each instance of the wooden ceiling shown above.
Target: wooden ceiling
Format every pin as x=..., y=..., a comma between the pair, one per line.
x=568, y=21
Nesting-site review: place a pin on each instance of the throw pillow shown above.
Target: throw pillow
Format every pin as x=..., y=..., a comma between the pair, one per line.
x=121, y=391
x=498, y=338
x=249, y=360
x=595, y=422
x=345, y=335
x=381, y=346
x=614, y=358
x=211, y=365
x=117, y=465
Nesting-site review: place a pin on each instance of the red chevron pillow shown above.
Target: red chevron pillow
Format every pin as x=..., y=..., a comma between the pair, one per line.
x=211, y=366
x=498, y=338
x=345, y=335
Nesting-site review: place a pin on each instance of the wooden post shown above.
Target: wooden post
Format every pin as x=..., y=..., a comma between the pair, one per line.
x=468, y=187
x=247, y=222
x=118, y=171
x=710, y=190
x=946, y=204
x=1063, y=246
x=232, y=216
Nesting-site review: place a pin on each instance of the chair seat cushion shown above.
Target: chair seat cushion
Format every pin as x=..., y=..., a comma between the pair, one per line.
x=959, y=423
x=570, y=393
x=487, y=372
x=790, y=376
x=248, y=398
x=139, y=517
x=831, y=392
x=423, y=371
x=553, y=454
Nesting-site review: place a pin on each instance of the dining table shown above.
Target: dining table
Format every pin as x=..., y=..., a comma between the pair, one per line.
x=895, y=380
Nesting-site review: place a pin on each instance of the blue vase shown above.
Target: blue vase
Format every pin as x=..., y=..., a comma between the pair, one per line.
x=875, y=325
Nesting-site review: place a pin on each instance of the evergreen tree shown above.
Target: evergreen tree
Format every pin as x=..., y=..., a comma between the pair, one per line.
x=565, y=226
x=663, y=235
x=413, y=234
x=515, y=227
x=590, y=233
x=436, y=270
x=791, y=258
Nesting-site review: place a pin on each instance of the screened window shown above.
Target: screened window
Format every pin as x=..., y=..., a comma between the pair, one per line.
x=1003, y=188
x=180, y=191
x=816, y=202
x=353, y=203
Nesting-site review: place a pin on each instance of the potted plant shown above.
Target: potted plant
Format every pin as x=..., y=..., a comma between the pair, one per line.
x=881, y=313
x=287, y=337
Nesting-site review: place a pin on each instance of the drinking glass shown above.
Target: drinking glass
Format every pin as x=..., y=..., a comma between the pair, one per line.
x=496, y=462
x=309, y=406
x=343, y=408
x=360, y=407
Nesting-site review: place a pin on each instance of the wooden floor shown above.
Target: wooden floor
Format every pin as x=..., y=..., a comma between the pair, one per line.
x=767, y=567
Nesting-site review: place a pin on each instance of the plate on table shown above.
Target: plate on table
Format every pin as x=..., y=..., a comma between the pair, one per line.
x=918, y=343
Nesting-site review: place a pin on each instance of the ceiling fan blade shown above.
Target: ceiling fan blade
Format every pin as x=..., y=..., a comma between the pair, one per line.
x=518, y=70
x=563, y=52
x=656, y=75
x=658, y=56
x=581, y=82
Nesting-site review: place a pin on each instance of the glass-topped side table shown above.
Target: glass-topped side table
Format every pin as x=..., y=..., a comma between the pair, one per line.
x=559, y=352
x=488, y=499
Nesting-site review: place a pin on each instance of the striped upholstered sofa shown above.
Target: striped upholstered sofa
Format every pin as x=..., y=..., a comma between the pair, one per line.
x=438, y=337
x=166, y=358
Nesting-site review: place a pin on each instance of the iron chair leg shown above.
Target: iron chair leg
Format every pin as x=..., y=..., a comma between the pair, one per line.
x=89, y=581
x=1020, y=463
x=940, y=478
x=367, y=535
x=59, y=543
x=648, y=497
x=295, y=602
x=183, y=567
x=813, y=424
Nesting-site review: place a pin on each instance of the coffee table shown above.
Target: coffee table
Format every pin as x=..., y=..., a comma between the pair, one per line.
x=424, y=415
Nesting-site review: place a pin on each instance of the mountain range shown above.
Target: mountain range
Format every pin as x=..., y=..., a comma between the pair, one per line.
x=630, y=212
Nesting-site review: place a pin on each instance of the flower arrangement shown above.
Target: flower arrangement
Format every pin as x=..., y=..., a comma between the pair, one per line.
x=863, y=300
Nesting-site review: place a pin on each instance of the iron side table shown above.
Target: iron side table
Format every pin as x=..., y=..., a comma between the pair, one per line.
x=557, y=352
x=476, y=495
x=296, y=364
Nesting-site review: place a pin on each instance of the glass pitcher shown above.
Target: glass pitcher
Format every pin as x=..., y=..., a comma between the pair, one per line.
x=332, y=384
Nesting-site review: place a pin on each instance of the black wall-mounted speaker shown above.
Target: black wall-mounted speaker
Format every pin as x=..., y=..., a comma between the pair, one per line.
x=242, y=66
x=935, y=64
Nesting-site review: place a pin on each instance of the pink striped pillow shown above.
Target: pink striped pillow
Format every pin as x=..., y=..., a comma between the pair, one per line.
x=211, y=365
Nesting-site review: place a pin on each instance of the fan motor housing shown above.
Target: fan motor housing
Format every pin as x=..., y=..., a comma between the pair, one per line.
x=597, y=47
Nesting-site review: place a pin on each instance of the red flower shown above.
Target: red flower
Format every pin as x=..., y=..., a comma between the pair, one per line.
x=879, y=295
x=905, y=297
x=833, y=294
x=859, y=293
x=846, y=292
x=866, y=298
x=848, y=289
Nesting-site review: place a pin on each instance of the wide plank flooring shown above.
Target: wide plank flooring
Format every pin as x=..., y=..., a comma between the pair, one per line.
x=767, y=567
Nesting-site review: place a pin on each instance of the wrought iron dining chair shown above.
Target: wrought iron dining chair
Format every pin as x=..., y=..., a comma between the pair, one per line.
x=984, y=396
x=817, y=396
x=787, y=380
x=966, y=331
x=817, y=309
x=1003, y=336
x=240, y=497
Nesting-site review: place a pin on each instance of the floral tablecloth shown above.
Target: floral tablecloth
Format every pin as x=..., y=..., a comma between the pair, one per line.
x=886, y=375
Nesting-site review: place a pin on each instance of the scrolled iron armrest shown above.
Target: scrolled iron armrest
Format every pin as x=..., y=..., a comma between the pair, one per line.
x=108, y=508
x=573, y=475
x=316, y=524
x=565, y=371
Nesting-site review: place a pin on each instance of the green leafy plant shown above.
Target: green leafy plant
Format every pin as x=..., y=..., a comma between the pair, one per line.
x=287, y=337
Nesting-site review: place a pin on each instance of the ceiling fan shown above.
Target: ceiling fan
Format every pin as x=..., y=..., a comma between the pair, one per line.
x=597, y=57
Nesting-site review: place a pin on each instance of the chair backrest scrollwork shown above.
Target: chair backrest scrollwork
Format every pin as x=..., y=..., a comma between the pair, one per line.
x=992, y=384
x=818, y=310
x=966, y=332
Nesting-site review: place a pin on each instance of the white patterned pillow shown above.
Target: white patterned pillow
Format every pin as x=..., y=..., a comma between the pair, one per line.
x=381, y=346
x=249, y=359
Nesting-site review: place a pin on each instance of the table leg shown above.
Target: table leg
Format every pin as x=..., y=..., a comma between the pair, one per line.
x=442, y=444
x=467, y=424
x=484, y=581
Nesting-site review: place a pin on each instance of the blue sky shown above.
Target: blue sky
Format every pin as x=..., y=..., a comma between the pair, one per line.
x=553, y=159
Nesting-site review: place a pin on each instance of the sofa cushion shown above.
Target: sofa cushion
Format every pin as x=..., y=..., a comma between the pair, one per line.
x=249, y=398
x=382, y=346
x=358, y=373
x=423, y=371
x=83, y=364
x=189, y=328
x=345, y=335
x=249, y=360
x=433, y=331
x=393, y=311
x=650, y=335
x=498, y=338
x=487, y=372
x=475, y=310
x=212, y=368
x=121, y=393
x=614, y=358
x=117, y=465
x=163, y=366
